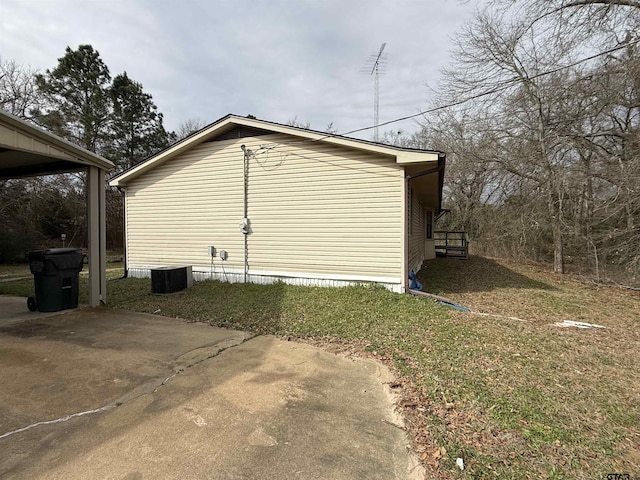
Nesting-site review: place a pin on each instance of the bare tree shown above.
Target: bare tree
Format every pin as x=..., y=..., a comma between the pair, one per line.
x=543, y=155
x=294, y=122
x=188, y=127
x=500, y=56
x=18, y=92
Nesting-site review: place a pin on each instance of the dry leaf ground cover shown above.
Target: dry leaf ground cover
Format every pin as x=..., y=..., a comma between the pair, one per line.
x=526, y=399
x=512, y=398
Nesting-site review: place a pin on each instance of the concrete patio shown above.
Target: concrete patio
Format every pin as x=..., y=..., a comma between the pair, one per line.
x=99, y=393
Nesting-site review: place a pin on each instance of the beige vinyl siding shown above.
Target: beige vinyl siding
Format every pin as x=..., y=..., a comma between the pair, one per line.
x=314, y=209
x=325, y=209
x=416, y=232
x=179, y=208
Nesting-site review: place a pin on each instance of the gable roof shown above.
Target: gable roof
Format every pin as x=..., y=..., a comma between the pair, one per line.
x=403, y=156
x=26, y=149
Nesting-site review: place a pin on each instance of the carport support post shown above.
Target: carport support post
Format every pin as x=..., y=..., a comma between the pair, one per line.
x=97, y=237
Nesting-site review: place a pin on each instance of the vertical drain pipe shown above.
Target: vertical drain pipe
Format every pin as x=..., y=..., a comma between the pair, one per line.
x=124, y=231
x=407, y=229
x=244, y=226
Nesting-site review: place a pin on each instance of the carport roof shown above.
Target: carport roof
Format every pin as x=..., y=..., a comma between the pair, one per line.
x=27, y=150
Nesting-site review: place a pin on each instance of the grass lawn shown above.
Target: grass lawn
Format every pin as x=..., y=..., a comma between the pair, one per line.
x=512, y=398
x=14, y=271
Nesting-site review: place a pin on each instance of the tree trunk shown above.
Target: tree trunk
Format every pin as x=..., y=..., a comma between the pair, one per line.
x=555, y=216
x=558, y=255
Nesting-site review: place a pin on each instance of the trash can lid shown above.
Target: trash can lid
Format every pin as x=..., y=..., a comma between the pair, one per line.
x=61, y=251
x=40, y=255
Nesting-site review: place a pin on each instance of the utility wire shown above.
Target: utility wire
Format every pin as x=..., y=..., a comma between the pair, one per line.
x=503, y=86
x=499, y=88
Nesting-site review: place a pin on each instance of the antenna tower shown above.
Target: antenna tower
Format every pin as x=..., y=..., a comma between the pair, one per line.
x=377, y=62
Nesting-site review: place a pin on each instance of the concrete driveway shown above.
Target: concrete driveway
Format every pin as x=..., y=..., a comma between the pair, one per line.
x=105, y=394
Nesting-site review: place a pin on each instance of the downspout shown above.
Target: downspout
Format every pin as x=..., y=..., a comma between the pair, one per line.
x=442, y=161
x=405, y=260
x=244, y=226
x=124, y=231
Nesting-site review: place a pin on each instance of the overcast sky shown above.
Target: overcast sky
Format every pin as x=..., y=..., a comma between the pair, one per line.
x=277, y=60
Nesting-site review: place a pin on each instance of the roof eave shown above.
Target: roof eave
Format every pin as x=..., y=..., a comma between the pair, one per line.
x=80, y=154
x=412, y=158
x=176, y=149
x=402, y=156
x=411, y=155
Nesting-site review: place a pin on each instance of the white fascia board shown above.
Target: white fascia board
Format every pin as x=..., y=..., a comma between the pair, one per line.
x=327, y=138
x=401, y=155
x=407, y=158
x=162, y=157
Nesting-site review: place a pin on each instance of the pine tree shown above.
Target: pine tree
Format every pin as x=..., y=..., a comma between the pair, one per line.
x=76, y=93
x=137, y=129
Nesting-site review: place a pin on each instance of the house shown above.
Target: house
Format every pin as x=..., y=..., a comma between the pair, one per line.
x=281, y=203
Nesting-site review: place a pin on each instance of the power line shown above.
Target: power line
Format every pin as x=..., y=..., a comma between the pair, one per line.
x=498, y=88
x=501, y=87
x=504, y=86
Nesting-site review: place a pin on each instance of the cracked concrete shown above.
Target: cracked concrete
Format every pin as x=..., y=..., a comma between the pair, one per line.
x=110, y=394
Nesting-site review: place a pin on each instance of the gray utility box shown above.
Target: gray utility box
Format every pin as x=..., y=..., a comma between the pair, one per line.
x=171, y=279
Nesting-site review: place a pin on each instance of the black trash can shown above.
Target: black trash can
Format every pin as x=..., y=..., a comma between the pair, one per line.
x=55, y=276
